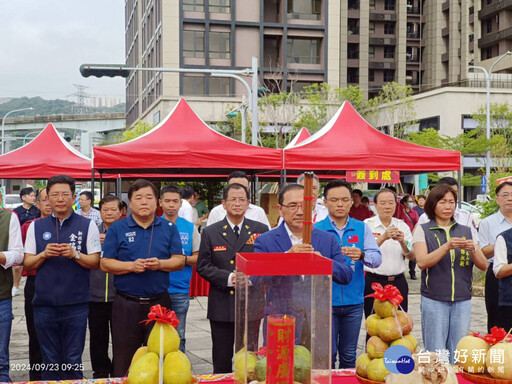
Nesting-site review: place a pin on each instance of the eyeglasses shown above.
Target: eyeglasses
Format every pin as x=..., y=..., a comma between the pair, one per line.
x=335, y=200
x=241, y=200
x=64, y=195
x=505, y=194
x=293, y=207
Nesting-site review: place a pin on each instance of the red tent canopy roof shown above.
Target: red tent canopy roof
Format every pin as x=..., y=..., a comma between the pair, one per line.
x=47, y=155
x=184, y=141
x=299, y=137
x=348, y=142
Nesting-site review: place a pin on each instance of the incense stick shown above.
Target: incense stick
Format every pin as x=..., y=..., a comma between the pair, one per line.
x=308, y=208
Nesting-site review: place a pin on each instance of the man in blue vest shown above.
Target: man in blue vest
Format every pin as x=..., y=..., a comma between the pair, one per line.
x=62, y=247
x=359, y=247
x=179, y=288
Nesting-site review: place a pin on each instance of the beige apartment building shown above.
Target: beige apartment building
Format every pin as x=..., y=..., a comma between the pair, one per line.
x=425, y=43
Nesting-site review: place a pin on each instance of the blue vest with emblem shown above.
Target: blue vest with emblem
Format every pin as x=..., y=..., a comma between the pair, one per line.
x=180, y=280
x=353, y=235
x=60, y=280
x=505, y=284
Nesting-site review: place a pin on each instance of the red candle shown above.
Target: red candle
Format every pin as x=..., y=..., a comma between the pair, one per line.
x=280, y=345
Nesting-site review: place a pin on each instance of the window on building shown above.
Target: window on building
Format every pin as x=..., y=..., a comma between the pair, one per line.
x=389, y=75
x=389, y=5
x=488, y=53
x=353, y=75
x=389, y=28
x=371, y=27
x=193, y=85
x=489, y=26
x=298, y=86
x=220, y=6
x=304, y=9
x=389, y=52
x=372, y=4
x=219, y=86
x=471, y=37
x=219, y=45
x=353, y=4
x=193, y=5
x=371, y=75
x=430, y=122
x=371, y=51
x=193, y=44
x=353, y=26
x=304, y=51
x=353, y=51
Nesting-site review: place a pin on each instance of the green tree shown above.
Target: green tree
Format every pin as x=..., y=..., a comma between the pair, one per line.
x=398, y=108
x=321, y=101
x=278, y=110
x=137, y=130
x=501, y=133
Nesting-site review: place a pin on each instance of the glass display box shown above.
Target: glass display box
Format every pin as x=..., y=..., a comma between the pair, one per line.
x=283, y=318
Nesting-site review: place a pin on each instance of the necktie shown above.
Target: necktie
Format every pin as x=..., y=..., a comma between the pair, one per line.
x=236, y=229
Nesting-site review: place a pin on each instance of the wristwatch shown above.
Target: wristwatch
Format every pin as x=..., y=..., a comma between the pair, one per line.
x=77, y=255
x=362, y=255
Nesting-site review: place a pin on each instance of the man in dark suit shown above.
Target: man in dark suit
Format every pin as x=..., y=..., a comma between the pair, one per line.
x=220, y=242
x=287, y=237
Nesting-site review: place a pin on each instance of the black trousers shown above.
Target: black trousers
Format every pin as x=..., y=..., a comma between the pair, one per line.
x=34, y=351
x=412, y=267
x=400, y=282
x=223, y=340
x=100, y=327
x=505, y=320
x=128, y=334
x=491, y=298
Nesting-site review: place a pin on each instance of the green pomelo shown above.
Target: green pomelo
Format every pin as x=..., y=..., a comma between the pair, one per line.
x=171, y=339
x=145, y=370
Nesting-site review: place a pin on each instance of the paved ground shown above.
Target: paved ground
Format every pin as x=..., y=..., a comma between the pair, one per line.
x=198, y=332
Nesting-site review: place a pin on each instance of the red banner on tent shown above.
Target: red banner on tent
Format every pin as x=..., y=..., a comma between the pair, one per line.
x=373, y=176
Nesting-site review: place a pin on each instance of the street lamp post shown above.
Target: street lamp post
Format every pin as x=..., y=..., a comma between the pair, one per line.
x=488, y=114
x=113, y=70
x=3, y=123
x=3, y=127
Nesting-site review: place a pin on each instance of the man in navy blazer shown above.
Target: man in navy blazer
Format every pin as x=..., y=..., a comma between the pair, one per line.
x=287, y=237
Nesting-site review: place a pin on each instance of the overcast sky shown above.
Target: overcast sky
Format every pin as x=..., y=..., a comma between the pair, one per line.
x=44, y=42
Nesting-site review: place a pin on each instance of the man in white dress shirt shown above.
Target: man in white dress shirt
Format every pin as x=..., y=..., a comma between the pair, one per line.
x=460, y=216
x=320, y=211
x=489, y=230
x=254, y=212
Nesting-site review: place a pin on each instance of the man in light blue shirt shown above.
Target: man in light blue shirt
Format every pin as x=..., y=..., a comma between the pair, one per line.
x=359, y=248
x=489, y=229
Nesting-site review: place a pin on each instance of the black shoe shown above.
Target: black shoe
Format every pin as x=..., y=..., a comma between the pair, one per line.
x=413, y=276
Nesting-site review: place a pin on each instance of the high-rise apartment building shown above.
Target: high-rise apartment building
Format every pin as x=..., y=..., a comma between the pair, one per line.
x=424, y=43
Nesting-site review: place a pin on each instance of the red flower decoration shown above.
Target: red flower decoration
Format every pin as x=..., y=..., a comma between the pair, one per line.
x=161, y=315
x=389, y=292
x=497, y=335
x=262, y=351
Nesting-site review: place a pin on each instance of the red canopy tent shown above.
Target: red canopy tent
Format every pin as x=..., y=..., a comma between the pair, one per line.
x=299, y=137
x=183, y=143
x=47, y=155
x=348, y=142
